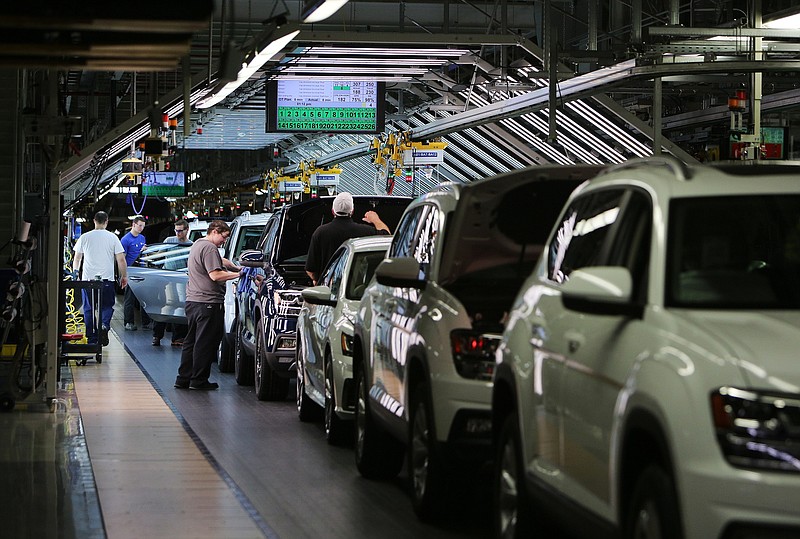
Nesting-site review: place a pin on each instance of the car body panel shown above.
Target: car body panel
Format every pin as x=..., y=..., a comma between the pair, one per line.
x=246, y=230
x=582, y=377
x=158, y=279
x=459, y=235
x=284, y=245
x=320, y=327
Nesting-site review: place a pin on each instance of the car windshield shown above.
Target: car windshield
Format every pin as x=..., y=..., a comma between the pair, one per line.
x=197, y=233
x=168, y=256
x=734, y=252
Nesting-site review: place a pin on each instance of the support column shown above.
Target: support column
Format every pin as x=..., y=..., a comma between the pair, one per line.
x=756, y=79
x=657, y=117
x=53, y=261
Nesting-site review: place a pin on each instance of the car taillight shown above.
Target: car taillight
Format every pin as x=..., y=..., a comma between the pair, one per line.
x=474, y=353
x=757, y=429
x=347, y=344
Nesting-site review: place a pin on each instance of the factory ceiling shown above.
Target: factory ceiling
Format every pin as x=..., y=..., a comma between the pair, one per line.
x=473, y=73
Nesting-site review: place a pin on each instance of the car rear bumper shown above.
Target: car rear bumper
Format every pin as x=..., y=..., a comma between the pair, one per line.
x=462, y=410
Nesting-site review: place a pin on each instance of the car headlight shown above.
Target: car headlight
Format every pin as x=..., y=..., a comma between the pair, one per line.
x=474, y=353
x=757, y=429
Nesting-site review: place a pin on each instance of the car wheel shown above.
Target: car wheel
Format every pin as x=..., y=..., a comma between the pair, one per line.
x=227, y=351
x=334, y=426
x=654, y=510
x=426, y=472
x=511, y=509
x=242, y=363
x=378, y=455
x=307, y=410
x=269, y=386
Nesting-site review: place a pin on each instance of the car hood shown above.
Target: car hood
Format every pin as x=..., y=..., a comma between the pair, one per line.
x=302, y=219
x=762, y=344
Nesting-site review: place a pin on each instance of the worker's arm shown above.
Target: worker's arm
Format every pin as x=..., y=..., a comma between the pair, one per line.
x=372, y=218
x=219, y=275
x=230, y=265
x=122, y=268
x=76, y=262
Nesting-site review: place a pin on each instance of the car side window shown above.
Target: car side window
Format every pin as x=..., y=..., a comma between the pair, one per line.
x=630, y=247
x=361, y=271
x=403, y=242
x=332, y=276
x=580, y=238
x=425, y=248
x=227, y=244
x=269, y=236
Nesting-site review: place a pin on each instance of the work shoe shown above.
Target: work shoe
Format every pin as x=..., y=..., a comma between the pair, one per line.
x=156, y=341
x=148, y=325
x=130, y=327
x=104, y=336
x=181, y=385
x=177, y=342
x=204, y=385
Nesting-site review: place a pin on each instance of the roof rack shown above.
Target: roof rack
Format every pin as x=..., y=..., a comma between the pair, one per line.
x=679, y=169
x=447, y=186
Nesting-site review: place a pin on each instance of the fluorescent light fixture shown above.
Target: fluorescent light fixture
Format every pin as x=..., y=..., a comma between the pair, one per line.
x=379, y=51
x=319, y=10
x=249, y=69
x=792, y=21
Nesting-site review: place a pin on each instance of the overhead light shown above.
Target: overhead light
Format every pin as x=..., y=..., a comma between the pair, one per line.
x=250, y=66
x=789, y=22
x=319, y=10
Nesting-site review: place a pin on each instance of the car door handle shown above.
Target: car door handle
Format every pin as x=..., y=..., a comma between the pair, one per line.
x=137, y=279
x=574, y=341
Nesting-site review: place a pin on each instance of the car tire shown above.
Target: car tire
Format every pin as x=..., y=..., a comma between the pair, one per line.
x=227, y=351
x=378, y=455
x=427, y=475
x=335, y=427
x=269, y=386
x=512, y=511
x=242, y=363
x=654, y=512
x=306, y=409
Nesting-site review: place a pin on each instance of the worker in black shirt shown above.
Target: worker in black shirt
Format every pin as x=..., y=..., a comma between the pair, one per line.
x=327, y=238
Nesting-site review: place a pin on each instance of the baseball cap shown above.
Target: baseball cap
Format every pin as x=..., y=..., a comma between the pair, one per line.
x=343, y=204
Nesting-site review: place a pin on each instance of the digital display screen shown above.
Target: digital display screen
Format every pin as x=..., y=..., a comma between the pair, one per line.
x=355, y=106
x=163, y=184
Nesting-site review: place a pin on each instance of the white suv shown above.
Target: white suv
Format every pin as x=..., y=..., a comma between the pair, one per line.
x=427, y=326
x=648, y=383
x=246, y=230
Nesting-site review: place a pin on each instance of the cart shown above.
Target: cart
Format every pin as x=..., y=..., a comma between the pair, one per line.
x=73, y=343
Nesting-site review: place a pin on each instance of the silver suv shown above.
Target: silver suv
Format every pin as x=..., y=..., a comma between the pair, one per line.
x=647, y=383
x=427, y=327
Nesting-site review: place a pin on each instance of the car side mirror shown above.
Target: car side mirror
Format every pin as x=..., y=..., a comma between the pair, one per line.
x=252, y=259
x=318, y=295
x=604, y=290
x=400, y=271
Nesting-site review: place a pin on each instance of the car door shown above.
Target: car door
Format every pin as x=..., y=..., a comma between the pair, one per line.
x=320, y=318
x=158, y=278
x=612, y=228
x=396, y=309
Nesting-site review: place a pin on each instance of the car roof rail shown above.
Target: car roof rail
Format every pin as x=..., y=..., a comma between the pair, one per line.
x=448, y=186
x=679, y=169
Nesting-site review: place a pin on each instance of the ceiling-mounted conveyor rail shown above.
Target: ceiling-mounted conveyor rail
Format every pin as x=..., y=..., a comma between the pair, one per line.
x=590, y=84
x=119, y=138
